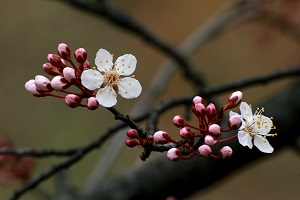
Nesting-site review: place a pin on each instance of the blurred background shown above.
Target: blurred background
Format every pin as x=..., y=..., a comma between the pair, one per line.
x=33, y=28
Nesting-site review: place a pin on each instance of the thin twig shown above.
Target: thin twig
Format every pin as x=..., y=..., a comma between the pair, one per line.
x=123, y=20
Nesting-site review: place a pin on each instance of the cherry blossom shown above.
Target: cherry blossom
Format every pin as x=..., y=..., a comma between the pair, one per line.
x=111, y=79
x=254, y=127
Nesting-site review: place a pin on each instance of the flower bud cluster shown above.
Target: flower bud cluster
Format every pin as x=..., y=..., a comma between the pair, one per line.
x=201, y=139
x=14, y=168
x=63, y=78
x=135, y=140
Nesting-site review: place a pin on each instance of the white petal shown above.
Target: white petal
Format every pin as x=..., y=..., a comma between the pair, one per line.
x=246, y=111
x=91, y=79
x=262, y=144
x=263, y=124
x=126, y=64
x=129, y=88
x=232, y=113
x=106, y=97
x=245, y=139
x=103, y=60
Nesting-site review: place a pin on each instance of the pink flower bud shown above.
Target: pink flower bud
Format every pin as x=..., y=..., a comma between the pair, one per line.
x=161, y=137
x=225, y=152
x=174, y=154
x=64, y=64
x=23, y=168
x=131, y=142
x=72, y=100
x=86, y=65
x=215, y=129
x=178, y=121
x=186, y=133
x=31, y=88
x=204, y=150
x=69, y=74
x=210, y=140
x=92, y=103
x=200, y=109
x=80, y=55
x=64, y=51
x=132, y=133
x=54, y=60
x=211, y=110
x=197, y=99
x=50, y=69
x=234, y=122
x=233, y=100
x=42, y=83
x=59, y=83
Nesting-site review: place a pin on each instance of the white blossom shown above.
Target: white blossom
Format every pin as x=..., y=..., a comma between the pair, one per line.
x=111, y=79
x=254, y=127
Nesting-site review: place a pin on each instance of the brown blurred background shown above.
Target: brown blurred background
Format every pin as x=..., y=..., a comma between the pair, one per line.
x=33, y=28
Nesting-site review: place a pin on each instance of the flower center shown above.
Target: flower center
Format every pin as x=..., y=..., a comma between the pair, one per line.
x=111, y=77
x=249, y=128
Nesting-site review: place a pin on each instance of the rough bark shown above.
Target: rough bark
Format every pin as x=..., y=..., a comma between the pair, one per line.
x=160, y=178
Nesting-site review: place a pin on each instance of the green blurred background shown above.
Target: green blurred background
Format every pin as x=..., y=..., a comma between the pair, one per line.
x=31, y=29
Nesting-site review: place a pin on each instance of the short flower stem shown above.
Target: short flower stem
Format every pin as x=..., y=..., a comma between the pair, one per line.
x=73, y=65
x=67, y=92
x=188, y=157
x=194, y=127
x=224, y=130
x=227, y=139
x=56, y=95
x=180, y=144
x=214, y=156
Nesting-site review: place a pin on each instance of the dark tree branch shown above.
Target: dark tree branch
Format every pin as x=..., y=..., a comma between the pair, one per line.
x=160, y=178
x=81, y=152
x=117, y=17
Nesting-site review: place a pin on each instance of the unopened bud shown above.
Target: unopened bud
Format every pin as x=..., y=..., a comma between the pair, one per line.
x=215, y=129
x=54, y=60
x=161, y=137
x=197, y=99
x=210, y=140
x=23, y=168
x=211, y=110
x=50, y=69
x=80, y=55
x=131, y=142
x=200, y=109
x=132, y=133
x=174, y=154
x=42, y=83
x=64, y=51
x=204, y=150
x=186, y=133
x=178, y=121
x=92, y=103
x=59, y=83
x=86, y=65
x=72, y=100
x=31, y=88
x=235, y=121
x=69, y=74
x=233, y=100
x=225, y=152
